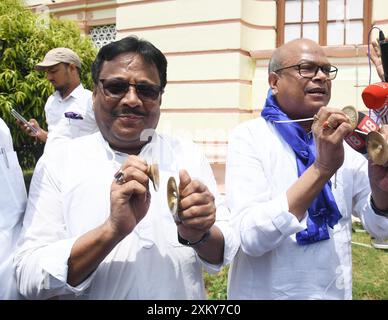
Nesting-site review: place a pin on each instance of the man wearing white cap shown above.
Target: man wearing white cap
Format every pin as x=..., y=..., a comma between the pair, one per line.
x=69, y=110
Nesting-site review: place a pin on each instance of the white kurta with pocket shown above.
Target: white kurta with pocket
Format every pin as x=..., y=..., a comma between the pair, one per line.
x=60, y=127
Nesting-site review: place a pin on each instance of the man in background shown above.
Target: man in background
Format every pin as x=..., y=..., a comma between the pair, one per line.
x=69, y=110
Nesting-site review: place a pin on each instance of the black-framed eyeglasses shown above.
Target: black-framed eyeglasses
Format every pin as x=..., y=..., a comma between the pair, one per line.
x=117, y=89
x=310, y=70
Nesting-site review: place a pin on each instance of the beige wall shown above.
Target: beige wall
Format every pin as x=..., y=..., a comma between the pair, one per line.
x=87, y=13
x=380, y=14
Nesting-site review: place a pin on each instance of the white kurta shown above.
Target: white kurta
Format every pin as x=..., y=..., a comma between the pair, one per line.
x=61, y=128
x=13, y=199
x=70, y=195
x=261, y=166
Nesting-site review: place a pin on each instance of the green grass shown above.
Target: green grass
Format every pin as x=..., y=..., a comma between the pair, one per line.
x=370, y=269
x=27, y=177
x=216, y=284
x=370, y=272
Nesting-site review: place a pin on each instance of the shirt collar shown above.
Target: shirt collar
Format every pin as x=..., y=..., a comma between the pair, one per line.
x=120, y=157
x=76, y=93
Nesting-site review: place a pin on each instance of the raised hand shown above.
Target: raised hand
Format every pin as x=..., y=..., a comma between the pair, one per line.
x=130, y=197
x=330, y=128
x=41, y=134
x=375, y=56
x=197, y=210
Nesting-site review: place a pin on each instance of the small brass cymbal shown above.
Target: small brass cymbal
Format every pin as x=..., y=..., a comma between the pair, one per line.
x=352, y=114
x=173, y=197
x=377, y=148
x=153, y=174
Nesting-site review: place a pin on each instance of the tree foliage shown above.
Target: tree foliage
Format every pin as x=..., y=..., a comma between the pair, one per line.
x=25, y=37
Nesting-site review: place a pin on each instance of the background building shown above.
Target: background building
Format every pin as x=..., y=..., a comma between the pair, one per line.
x=218, y=52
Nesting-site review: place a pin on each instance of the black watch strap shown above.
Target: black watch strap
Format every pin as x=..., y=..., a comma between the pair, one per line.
x=192, y=244
x=376, y=210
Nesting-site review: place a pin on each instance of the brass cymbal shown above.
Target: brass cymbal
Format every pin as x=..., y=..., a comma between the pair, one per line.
x=153, y=174
x=173, y=197
x=377, y=148
x=352, y=114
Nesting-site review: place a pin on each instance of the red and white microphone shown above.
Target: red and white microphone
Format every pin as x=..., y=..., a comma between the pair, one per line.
x=375, y=96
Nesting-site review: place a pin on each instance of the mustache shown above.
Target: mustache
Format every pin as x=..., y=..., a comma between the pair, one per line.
x=126, y=112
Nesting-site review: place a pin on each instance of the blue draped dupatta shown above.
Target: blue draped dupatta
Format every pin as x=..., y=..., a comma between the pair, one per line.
x=323, y=211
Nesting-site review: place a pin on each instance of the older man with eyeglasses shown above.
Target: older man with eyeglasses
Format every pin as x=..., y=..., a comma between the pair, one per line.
x=292, y=185
x=94, y=229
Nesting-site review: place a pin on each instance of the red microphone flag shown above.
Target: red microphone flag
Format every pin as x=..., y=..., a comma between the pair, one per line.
x=357, y=140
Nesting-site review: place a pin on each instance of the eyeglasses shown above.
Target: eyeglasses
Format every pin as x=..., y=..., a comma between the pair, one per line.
x=117, y=89
x=310, y=70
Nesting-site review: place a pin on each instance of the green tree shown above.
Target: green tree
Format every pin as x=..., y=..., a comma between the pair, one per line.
x=25, y=37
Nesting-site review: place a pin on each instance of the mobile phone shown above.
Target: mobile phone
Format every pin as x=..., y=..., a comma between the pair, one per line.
x=18, y=116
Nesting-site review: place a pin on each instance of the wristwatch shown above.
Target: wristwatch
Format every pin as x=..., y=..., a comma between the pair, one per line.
x=376, y=210
x=196, y=243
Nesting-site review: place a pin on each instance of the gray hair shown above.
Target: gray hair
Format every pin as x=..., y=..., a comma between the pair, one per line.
x=275, y=62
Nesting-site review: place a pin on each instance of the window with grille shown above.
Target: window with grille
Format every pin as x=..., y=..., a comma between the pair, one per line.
x=102, y=35
x=328, y=22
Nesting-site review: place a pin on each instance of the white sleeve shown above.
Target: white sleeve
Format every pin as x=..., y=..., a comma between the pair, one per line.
x=231, y=242
x=261, y=220
x=375, y=224
x=44, y=247
x=5, y=136
x=89, y=123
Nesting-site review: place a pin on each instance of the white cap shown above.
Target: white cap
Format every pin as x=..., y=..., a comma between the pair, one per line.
x=59, y=55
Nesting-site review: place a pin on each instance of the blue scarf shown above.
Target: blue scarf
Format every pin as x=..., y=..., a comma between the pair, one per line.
x=323, y=210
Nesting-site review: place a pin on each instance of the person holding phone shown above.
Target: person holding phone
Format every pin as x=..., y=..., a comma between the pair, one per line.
x=13, y=198
x=69, y=112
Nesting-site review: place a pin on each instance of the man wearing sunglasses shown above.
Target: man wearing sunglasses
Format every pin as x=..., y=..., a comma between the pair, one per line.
x=292, y=185
x=69, y=112
x=90, y=236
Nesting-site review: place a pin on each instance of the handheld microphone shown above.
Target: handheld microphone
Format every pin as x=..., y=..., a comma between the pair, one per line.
x=375, y=95
x=384, y=54
x=358, y=140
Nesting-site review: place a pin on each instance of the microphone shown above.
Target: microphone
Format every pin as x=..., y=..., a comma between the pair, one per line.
x=358, y=140
x=384, y=54
x=375, y=95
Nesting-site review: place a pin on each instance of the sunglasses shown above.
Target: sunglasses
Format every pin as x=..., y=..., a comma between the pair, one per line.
x=117, y=89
